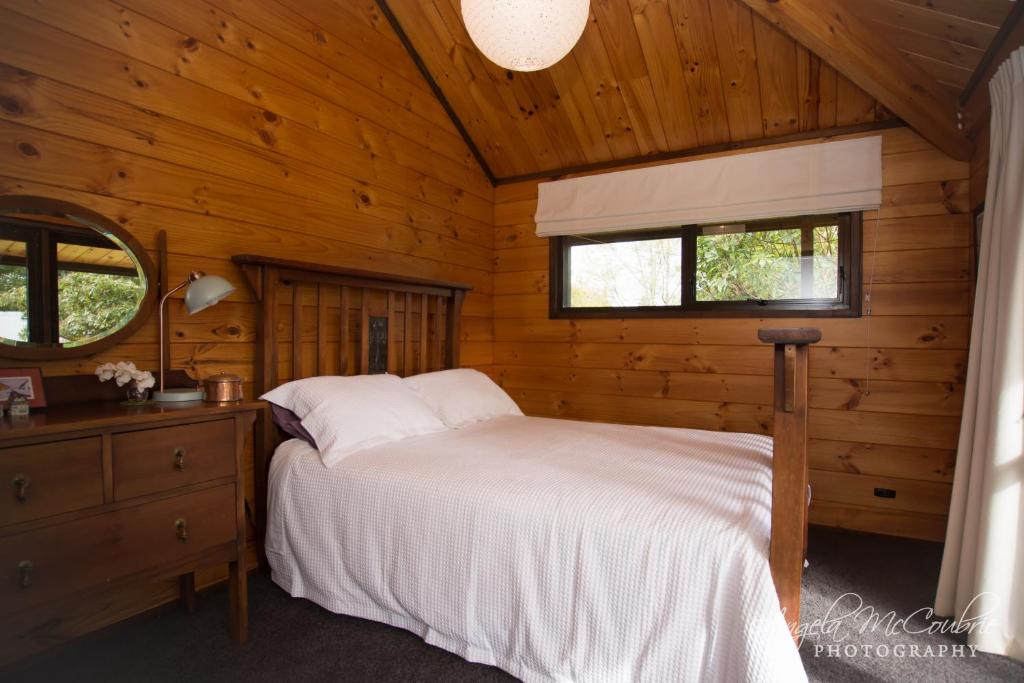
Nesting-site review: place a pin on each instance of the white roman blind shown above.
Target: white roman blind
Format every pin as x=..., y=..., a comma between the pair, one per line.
x=821, y=178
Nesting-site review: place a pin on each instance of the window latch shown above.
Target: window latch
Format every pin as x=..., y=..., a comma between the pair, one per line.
x=759, y=302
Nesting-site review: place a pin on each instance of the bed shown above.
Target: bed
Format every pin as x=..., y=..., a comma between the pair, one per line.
x=557, y=550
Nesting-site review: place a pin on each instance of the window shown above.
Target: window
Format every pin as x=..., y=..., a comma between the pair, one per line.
x=803, y=266
x=98, y=290
x=13, y=293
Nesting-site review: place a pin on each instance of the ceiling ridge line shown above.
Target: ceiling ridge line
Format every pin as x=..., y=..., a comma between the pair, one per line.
x=436, y=89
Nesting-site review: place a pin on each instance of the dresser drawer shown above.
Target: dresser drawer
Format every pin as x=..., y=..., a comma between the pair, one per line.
x=151, y=460
x=47, y=564
x=51, y=478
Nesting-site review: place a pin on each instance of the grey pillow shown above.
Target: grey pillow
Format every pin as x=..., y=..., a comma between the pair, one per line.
x=290, y=424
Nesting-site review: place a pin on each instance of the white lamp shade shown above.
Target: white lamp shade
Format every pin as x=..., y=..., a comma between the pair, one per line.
x=525, y=35
x=205, y=292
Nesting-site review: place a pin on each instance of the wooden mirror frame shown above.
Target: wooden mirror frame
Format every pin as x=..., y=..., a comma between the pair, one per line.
x=31, y=203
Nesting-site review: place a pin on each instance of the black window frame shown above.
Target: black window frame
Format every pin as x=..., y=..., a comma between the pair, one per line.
x=846, y=305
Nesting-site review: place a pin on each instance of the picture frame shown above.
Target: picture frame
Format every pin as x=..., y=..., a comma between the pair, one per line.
x=26, y=381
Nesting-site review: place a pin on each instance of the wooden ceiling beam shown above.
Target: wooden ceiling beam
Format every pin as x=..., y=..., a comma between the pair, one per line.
x=975, y=97
x=829, y=29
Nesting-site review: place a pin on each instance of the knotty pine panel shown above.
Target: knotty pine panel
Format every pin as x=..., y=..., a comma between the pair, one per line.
x=886, y=390
x=644, y=77
x=902, y=299
x=914, y=332
x=914, y=398
x=777, y=71
x=45, y=51
x=200, y=56
x=50, y=159
x=295, y=130
x=901, y=462
x=891, y=521
x=48, y=104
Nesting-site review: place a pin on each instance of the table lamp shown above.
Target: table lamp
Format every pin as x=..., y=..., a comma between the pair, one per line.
x=203, y=291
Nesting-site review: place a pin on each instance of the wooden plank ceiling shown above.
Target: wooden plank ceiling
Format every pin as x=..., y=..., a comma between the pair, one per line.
x=946, y=38
x=653, y=77
x=12, y=251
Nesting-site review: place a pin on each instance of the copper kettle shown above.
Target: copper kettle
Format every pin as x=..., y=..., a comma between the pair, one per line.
x=223, y=387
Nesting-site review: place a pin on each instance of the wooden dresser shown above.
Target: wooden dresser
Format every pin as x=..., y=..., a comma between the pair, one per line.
x=100, y=494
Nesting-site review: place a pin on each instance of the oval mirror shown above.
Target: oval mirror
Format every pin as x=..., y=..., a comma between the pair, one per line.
x=72, y=282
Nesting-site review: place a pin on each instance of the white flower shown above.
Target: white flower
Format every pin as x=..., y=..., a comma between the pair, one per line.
x=143, y=379
x=123, y=373
x=105, y=371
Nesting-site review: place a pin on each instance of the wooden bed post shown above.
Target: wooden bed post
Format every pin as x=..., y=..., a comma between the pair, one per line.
x=264, y=281
x=789, y=464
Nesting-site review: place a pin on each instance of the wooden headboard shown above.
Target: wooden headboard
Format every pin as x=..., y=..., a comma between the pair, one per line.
x=322, y=320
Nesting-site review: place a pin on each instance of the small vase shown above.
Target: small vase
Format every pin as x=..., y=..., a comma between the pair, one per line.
x=136, y=395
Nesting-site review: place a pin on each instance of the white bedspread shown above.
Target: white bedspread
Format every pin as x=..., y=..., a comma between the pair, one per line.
x=556, y=550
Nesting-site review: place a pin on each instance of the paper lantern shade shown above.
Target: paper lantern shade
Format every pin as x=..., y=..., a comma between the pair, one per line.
x=525, y=35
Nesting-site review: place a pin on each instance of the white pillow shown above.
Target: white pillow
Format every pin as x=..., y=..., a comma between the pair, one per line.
x=348, y=414
x=461, y=397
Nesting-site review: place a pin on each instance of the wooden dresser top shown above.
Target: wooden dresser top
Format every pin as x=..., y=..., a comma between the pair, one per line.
x=74, y=417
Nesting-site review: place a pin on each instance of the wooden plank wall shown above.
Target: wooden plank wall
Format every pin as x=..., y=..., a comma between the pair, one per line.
x=296, y=130
x=886, y=390
x=242, y=127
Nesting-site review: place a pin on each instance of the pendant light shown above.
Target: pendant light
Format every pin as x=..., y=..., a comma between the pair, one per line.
x=525, y=35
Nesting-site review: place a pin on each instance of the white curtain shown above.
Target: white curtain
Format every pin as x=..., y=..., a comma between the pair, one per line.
x=983, y=566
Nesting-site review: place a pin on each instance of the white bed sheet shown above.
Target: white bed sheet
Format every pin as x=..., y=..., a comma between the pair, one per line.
x=553, y=549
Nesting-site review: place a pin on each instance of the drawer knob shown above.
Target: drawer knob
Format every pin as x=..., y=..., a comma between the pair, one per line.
x=20, y=483
x=25, y=568
x=179, y=458
x=181, y=527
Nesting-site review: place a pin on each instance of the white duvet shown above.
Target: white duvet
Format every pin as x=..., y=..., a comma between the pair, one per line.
x=556, y=550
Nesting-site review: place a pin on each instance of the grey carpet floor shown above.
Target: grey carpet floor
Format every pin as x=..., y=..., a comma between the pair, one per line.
x=294, y=640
